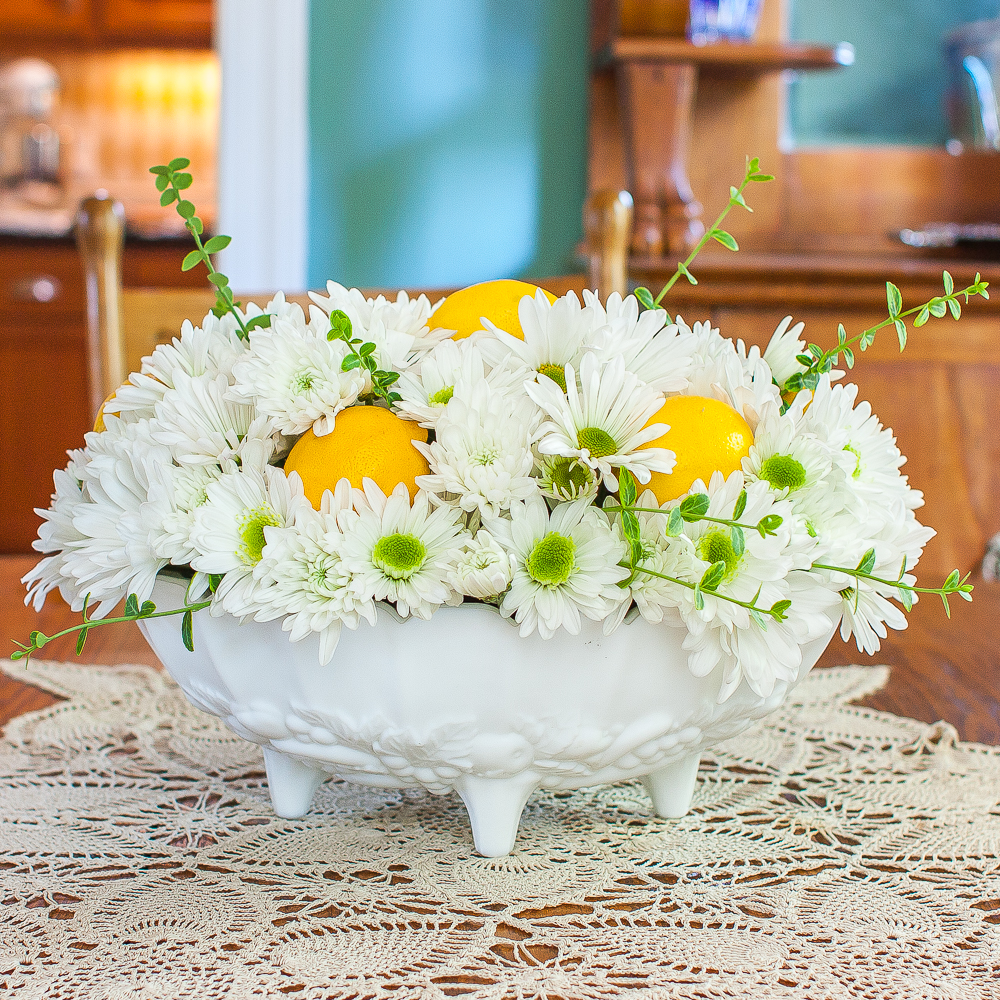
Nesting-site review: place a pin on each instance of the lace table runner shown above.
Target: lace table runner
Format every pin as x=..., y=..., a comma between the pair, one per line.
x=835, y=852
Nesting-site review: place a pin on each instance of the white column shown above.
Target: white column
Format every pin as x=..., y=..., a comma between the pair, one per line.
x=264, y=142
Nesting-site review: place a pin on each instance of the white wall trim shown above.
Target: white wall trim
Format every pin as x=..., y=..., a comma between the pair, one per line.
x=263, y=181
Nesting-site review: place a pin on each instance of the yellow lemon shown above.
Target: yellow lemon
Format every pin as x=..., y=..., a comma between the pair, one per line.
x=366, y=441
x=496, y=300
x=706, y=435
x=99, y=424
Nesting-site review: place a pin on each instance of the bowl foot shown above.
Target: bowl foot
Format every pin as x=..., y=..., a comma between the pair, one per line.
x=672, y=787
x=495, y=806
x=292, y=785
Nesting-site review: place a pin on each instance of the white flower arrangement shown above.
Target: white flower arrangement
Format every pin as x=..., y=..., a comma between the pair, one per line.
x=535, y=441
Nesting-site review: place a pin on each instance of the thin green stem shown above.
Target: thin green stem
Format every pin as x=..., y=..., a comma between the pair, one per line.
x=689, y=518
x=192, y=229
x=777, y=615
x=958, y=588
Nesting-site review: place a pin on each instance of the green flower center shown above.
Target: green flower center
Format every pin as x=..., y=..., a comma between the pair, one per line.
x=399, y=556
x=555, y=372
x=783, y=471
x=321, y=575
x=857, y=460
x=551, y=560
x=568, y=475
x=443, y=396
x=597, y=441
x=303, y=381
x=251, y=528
x=486, y=456
x=717, y=546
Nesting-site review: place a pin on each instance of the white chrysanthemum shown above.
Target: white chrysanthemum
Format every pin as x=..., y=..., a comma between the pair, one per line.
x=201, y=426
x=720, y=371
x=398, y=329
x=603, y=423
x=865, y=450
x=725, y=636
x=115, y=557
x=398, y=552
x=175, y=494
x=57, y=535
x=294, y=374
x=228, y=530
x=481, y=457
x=783, y=349
x=659, y=354
x=211, y=349
x=567, y=565
x=566, y=478
x=302, y=577
x=483, y=569
x=556, y=334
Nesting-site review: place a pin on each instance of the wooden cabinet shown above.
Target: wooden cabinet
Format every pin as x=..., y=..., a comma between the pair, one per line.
x=106, y=22
x=44, y=407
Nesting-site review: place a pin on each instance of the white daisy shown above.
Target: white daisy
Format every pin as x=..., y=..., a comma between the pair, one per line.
x=483, y=569
x=294, y=374
x=57, y=535
x=115, y=559
x=228, y=530
x=175, y=493
x=659, y=354
x=397, y=552
x=211, y=349
x=556, y=334
x=481, y=457
x=567, y=565
x=302, y=576
x=603, y=423
x=201, y=426
x=566, y=478
x=782, y=350
x=725, y=636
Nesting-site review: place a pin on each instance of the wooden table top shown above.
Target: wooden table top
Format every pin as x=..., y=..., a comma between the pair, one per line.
x=940, y=669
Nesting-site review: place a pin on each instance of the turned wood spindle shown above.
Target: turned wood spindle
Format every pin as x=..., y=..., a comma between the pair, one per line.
x=607, y=221
x=100, y=236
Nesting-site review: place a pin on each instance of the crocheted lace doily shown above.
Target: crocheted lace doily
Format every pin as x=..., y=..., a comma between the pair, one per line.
x=834, y=852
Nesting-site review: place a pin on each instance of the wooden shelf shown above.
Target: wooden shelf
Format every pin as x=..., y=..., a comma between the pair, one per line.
x=736, y=58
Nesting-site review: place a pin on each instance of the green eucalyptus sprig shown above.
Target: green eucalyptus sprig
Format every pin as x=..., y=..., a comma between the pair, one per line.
x=694, y=508
x=171, y=182
x=134, y=612
x=818, y=362
x=751, y=175
x=362, y=356
x=905, y=591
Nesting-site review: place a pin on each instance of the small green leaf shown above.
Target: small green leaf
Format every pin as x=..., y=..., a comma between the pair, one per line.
x=761, y=178
x=922, y=316
x=675, y=523
x=162, y=182
x=217, y=243
x=187, y=633
x=952, y=581
x=938, y=308
x=349, y=363
x=81, y=639
x=905, y=598
x=769, y=524
x=841, y=333
x=214, y=579
x=956, y=309
x=949, y=283
x=741, y=505
x=736, y=198
x=694, y=507
x=901, y=333
x=779, y=608
x=626, y=488
x=365, y=349
x=645, y=298
x=38, y=639
x=340, y=326
x=804, y=359
x=867, y=339
x=218, y=279
x=132, y=606
x=195, y=225
x=738, y=540
x=148, y=608
x=758, y=618
x=894, y=299
x=682, y=269
x=178, y=164
x=947, y=609
x=726, y=239
x=713, y=576
x=699, y=598
x=159, y=170
x=182, y=181
x=848, y=357
x=263, y=321
x=167, y=197
x=867, y=563
x=193, y=259
x=185, y=209
x=753, y=165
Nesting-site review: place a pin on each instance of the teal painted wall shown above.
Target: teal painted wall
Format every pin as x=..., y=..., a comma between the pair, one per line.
x=447, y=139
x=894, y=93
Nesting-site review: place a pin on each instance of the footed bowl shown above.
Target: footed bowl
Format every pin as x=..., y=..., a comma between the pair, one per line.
x=461, y=703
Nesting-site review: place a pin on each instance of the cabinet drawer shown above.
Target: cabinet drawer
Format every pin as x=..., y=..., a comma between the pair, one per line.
x=41, y=282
